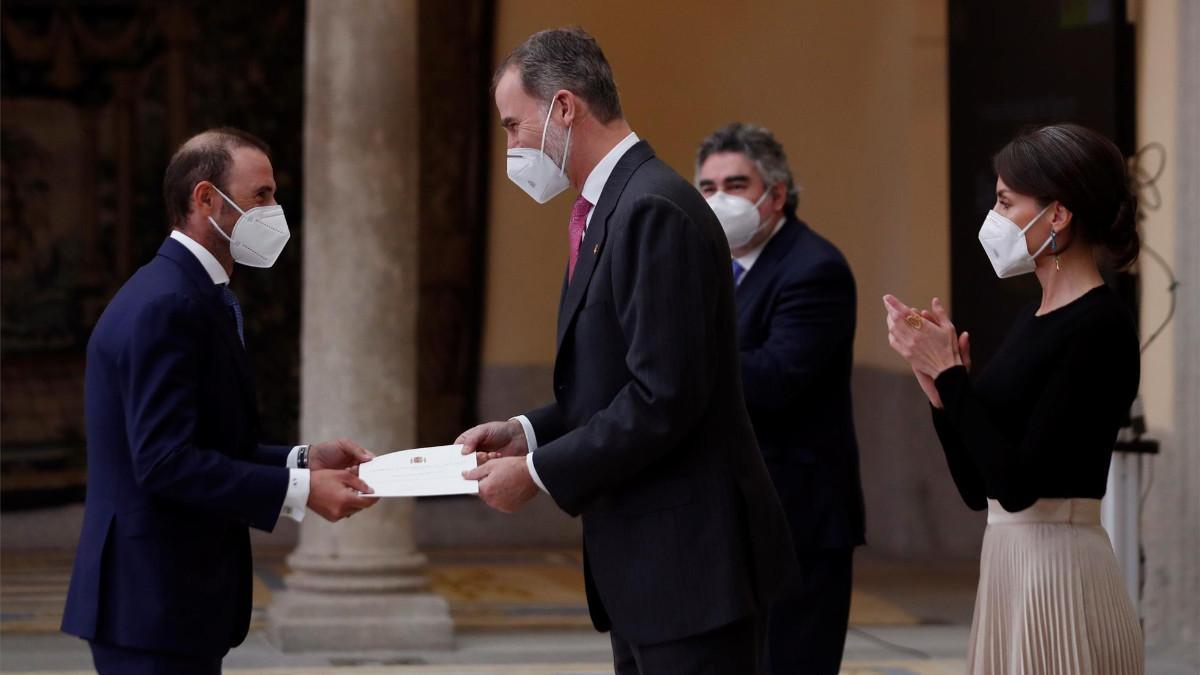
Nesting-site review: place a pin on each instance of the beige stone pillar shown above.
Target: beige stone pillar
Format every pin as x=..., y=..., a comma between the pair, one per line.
x=359, y=584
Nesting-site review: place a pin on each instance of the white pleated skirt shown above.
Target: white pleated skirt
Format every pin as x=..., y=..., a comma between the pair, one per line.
x=1050, y=596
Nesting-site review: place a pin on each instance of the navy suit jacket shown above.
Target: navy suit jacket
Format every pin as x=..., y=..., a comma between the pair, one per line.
x=648, y=437
x=796, y=318
x=175, y=471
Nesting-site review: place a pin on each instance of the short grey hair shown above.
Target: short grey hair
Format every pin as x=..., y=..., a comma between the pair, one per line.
x=565, y=58
x=758, y=144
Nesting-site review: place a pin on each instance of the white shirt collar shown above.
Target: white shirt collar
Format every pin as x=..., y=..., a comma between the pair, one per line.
x=594, y=185
x=207, y=260
x=747, y=261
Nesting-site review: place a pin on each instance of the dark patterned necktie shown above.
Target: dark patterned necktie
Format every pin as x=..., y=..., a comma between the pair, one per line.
x=579, y=214
x=235, y=310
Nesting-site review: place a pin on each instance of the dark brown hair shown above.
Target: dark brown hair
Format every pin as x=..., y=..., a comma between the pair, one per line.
x=206, y=156
x=1083, y=171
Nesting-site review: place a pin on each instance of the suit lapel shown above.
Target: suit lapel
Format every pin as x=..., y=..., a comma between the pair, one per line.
x=593, y=240
x=211, y=301
x=758, y=278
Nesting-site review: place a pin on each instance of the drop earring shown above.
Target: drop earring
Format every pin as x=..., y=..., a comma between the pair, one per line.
x=1054, y=250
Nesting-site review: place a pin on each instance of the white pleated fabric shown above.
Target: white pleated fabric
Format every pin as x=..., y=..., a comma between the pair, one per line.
x=1050, y=596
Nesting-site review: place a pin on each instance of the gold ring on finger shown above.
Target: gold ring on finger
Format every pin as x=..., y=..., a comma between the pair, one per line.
x=915, y=320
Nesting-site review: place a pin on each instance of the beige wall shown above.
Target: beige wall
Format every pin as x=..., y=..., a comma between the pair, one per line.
x=857, y=96
x=1157, y=78
x=1168, y=110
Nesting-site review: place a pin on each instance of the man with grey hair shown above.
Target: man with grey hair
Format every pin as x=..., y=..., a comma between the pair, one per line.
x=685, y=542
x=796, y=314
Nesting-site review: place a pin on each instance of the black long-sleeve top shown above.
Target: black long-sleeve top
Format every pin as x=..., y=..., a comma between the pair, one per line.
x=1041, y=420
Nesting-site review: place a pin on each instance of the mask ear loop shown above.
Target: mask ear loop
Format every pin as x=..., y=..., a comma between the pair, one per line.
x=566, y=153
x=545, y=128
x=1049, y=240
x=231, y=203
x=764, y=196
x=758, y=204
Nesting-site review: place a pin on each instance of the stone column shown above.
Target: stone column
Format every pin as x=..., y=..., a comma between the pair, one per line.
x=359, y=584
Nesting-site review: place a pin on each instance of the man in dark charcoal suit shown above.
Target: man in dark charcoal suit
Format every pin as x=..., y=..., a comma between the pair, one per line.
x=796, y=314
x=648, y=437
x=176, y=475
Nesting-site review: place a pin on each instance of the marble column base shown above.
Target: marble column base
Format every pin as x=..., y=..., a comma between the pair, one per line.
x=306, y=621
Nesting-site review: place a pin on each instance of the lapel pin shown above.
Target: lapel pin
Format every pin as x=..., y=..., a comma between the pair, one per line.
x=596, y=250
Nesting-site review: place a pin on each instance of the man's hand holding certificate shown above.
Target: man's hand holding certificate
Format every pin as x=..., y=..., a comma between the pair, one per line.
x=423, y=472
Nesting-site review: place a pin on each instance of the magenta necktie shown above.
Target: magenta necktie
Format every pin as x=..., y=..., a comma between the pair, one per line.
x=579, y=214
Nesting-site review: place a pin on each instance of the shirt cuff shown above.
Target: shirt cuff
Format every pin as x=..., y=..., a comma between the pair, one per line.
x=531, y=444
x=530, y=434
x=294, y=503
x=293, y=459
x=533, y=473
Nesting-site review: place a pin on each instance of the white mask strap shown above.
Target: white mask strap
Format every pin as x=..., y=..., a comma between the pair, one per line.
x=219, y=230
x=566, y=153
x=566, y=150
x=1048, y=239
x=231, y=203
x=546, y=126
x=1035, y=219
x=763, y=197
x=1044, y=245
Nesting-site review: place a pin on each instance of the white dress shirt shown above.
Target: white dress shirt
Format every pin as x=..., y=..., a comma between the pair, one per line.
x=592, y=189
x=298, y=479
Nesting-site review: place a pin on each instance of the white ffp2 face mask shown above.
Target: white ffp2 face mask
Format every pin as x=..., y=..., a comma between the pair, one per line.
x=1004, y=242
x=739, y=216
x=534, y=172
x=259, y=235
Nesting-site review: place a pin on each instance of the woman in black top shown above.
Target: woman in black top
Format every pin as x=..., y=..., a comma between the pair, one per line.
x=1030, y=438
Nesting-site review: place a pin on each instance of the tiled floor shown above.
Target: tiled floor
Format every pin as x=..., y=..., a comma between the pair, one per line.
x=522, y=612
x=516, y=611
x=506, y=589
x=889, y=668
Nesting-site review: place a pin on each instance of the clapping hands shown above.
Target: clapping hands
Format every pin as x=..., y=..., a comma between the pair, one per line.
x=927, y=340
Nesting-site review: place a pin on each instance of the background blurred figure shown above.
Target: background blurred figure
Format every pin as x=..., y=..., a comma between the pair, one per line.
x=796, y=316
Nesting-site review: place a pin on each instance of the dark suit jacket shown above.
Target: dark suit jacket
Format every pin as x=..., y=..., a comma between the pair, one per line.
x=796, y=316
x=648, y=437
x=175, y=473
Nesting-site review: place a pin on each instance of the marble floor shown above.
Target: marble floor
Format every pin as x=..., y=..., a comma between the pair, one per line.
x=517, y=611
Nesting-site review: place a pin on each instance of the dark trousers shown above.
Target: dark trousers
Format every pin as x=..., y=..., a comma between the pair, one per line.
x=806, y=627
x=730, y=650
x=111, y=660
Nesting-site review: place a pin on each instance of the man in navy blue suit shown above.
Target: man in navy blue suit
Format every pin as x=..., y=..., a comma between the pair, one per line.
x=796, y=314
x=176, y=474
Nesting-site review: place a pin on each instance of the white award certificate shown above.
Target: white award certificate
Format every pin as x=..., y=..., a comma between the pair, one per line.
x=423, y=472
